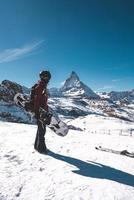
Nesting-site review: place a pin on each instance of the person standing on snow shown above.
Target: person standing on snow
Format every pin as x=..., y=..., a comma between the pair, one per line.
x=39, y=97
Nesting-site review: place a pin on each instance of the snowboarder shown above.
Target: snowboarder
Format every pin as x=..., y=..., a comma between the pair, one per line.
x=39, y=97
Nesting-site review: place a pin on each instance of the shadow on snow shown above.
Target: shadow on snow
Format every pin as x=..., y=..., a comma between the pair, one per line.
x=96, y=170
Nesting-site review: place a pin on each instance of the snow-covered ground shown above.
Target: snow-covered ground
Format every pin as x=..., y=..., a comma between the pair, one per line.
x=73, y=170
x=103, y=125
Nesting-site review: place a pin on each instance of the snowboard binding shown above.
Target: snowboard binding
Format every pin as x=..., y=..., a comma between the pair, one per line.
x=45, y=116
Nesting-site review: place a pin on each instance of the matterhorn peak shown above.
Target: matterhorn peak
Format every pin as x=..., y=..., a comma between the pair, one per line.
x=71, y=82
x=74, y=87
x=74, y=76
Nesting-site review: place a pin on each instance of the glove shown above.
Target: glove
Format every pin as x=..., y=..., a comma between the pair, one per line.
x=29, y=106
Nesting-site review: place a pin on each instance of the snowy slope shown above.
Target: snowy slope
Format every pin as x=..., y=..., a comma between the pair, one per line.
x=73, y=170
x=12, y=113
x=72, y=107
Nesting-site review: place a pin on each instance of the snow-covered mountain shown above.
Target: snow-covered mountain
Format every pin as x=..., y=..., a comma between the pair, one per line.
x=8, y=89
x=74, y=87
x=125, y=96
x=55, y=92
x=73, y=169
x=26, y=90
x=72, y=100
x=8, y=110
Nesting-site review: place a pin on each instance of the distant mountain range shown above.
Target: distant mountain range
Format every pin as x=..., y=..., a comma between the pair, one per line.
x=73, y=87
x=72, y=100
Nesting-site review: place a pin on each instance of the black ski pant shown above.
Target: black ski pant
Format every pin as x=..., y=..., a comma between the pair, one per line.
x=39, y=144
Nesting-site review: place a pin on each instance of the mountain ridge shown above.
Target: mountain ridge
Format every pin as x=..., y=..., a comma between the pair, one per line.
x=69, y=102
x=73, y=87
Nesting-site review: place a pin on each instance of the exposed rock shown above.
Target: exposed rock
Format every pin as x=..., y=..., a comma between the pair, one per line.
x=8, y=89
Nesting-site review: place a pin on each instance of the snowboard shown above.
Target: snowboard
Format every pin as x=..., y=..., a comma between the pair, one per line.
x=123, y=152
x=55, y=123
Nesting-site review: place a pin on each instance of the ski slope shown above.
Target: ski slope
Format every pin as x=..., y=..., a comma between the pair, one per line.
x=73, y=170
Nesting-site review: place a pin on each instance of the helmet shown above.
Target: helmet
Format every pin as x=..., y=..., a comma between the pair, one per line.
x=45, y=75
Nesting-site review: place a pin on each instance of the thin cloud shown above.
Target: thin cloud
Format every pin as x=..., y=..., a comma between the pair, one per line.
x=121, y=79
x=9, y=55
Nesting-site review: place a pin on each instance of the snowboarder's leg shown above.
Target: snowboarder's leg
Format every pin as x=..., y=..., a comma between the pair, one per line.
x=39, y=144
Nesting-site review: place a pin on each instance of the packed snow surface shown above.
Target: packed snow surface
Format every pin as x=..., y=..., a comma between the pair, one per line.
x=73, y=169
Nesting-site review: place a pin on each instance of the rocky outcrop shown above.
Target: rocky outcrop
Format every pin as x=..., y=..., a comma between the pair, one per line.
x=8, y=89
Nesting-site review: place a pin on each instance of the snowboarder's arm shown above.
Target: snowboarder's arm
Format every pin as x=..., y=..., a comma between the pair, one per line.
x=32, y=92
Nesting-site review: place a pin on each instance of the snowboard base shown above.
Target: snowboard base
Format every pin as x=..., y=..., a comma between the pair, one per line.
x=56, y=124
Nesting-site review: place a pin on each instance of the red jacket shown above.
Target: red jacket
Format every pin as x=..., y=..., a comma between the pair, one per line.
x=39, y=95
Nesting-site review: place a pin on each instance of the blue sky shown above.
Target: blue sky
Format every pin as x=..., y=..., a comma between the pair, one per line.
x=94, y=38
